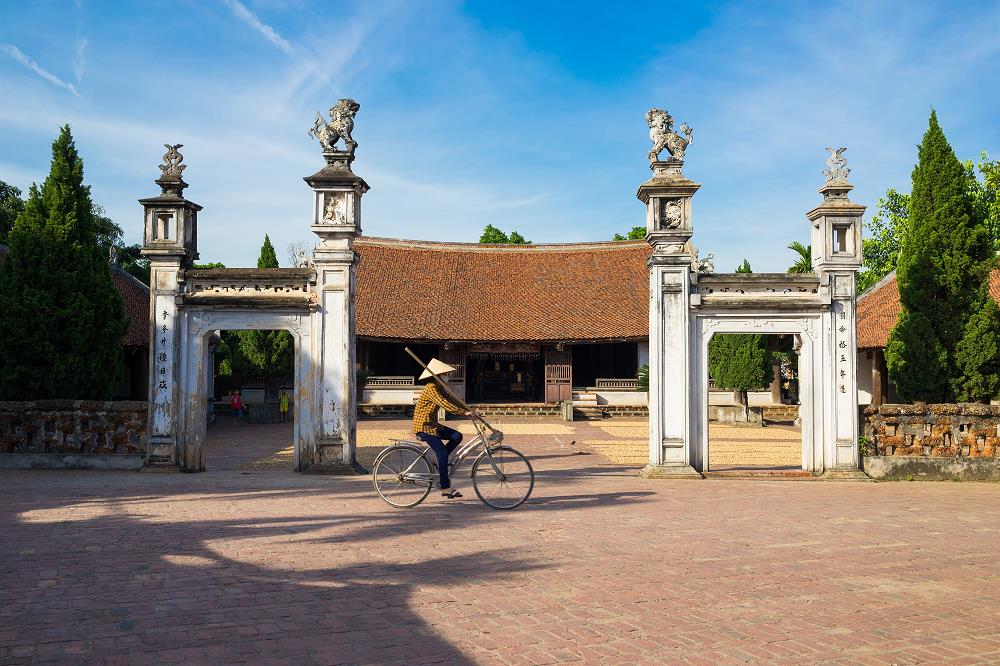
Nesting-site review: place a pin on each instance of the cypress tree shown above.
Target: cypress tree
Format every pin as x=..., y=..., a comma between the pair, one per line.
x=267, y=258
x=943, y=264
x=262, y=354
x=63, y=320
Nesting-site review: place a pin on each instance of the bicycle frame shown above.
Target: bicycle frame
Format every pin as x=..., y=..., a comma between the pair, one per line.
x=458, y=457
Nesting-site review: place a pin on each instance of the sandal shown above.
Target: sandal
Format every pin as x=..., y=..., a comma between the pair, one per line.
x=451, y=494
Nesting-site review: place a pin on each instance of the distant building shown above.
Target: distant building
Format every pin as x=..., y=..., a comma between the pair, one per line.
x=522, y=323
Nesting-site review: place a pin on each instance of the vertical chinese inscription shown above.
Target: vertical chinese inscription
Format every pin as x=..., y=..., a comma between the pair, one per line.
x=163, y=366
x=841, y=337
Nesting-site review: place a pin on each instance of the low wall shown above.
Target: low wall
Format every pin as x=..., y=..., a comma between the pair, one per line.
x=946, y=441
x=80, y=434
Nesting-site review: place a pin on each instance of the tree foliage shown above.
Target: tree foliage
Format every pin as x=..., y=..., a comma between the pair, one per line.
x=257, y=354
x=11, y=205
x=635, y=233
x=494, y=236
x=267, y=258
x=803, y=262
x=62, y=318
x=886, y=231
x=943, y=265
x=739, y=362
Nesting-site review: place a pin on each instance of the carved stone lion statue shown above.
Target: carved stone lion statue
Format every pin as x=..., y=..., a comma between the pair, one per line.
x=661, y=133
x=340, y=126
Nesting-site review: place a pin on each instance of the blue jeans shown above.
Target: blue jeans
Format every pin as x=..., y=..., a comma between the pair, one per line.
x=442, y=450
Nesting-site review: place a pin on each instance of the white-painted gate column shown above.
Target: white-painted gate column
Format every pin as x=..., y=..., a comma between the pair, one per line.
x=337, y=193
x=667, y=196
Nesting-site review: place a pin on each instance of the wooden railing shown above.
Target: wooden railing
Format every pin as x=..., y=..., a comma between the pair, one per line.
x=389, y=382
x=628, y=384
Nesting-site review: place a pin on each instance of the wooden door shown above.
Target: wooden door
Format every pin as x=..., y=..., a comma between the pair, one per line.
x=558, y=376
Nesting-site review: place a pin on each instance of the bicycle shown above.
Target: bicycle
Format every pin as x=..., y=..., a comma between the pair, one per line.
x=404, y=473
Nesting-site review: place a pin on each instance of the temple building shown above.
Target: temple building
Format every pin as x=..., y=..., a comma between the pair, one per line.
x=522, y=323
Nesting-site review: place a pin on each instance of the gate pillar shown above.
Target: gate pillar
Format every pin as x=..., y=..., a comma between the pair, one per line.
x=337, y=193
x=836, y=258
x=170, y=241
x=667, y=196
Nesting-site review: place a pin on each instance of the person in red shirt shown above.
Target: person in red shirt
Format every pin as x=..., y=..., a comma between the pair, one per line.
x=236, y=404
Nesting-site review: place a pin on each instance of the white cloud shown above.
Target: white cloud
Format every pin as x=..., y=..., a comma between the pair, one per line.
x=248, y=17
x=80, y=61
x=18, y=55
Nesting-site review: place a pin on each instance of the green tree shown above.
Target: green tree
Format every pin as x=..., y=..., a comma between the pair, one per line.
x=11, y=204
x=130, y=259
x=494, y=236
x=258, y=354
x=886, y=231
x=887, y=228
x=63, y=320
x=803, y=262
x=635, y=233
x=267, y=258
x=739, y=362
x=941, y=273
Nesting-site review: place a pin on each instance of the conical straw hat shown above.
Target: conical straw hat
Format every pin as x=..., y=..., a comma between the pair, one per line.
x=438, y=367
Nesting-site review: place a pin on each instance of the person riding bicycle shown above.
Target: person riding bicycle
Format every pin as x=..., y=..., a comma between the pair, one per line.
x=425, y=420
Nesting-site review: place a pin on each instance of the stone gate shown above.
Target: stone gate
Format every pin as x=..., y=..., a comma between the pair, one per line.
x=689, y=303
x=315, y=304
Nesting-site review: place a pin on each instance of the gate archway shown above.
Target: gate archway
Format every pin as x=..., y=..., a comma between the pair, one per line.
x=314, y=303
x=689, y=303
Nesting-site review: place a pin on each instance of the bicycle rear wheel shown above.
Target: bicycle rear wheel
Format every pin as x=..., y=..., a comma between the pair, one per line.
x=505, y=483
x=402, y=476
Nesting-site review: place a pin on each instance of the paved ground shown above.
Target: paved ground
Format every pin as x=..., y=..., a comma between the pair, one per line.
x=235, y=565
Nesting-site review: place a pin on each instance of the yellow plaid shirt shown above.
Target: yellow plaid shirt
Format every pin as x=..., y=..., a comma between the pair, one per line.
x=425, y=413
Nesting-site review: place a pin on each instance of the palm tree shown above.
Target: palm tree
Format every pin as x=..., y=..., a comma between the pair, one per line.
x=804, y=262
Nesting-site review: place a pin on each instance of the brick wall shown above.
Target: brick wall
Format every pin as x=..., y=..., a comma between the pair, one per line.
x=964, y=430
x=73, y=426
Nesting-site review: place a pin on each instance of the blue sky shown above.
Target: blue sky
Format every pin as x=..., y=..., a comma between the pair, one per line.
x=524, y=115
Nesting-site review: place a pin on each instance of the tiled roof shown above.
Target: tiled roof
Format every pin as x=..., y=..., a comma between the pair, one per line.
x=410, y=290
x=135, y=296
x=878, y=310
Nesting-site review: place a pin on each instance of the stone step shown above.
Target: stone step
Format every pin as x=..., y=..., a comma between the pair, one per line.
x=758, y=474
x=588, y=412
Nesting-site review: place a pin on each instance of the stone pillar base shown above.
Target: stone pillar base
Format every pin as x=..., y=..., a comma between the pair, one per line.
x=336, y=469
x=843, y=474
x=669, y=472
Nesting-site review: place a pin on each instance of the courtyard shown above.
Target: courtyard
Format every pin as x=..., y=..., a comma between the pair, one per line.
x=252, y=563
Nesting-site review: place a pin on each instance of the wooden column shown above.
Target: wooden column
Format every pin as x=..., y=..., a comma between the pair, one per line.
x=880, y=378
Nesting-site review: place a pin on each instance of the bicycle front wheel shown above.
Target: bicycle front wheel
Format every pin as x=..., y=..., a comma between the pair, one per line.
x=503, y=478
x=402, y=476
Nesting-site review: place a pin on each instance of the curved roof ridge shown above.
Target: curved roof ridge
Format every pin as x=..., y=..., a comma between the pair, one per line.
x=481, y=247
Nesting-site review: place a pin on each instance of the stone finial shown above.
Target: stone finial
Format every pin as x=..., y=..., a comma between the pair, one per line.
x=339, y=127
x=172, y=161
x=836, y=166
x=170, y=181
x=661, y=133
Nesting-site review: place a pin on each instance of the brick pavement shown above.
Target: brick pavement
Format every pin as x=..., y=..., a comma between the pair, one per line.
x=598, y=567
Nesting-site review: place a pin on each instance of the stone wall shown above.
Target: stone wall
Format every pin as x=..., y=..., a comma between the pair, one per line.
x=967, y=430
x=73, y=427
